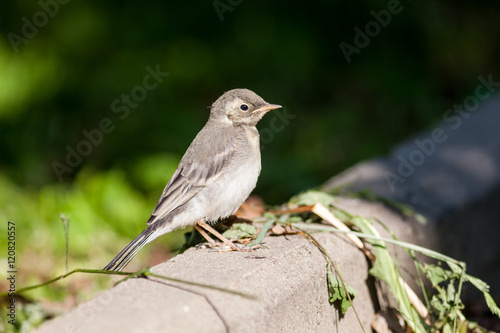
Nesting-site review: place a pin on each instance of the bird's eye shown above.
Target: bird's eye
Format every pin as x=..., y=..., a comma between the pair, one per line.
x=244, y=107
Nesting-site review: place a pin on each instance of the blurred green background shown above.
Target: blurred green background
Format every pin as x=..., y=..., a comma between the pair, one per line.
x=61, y=78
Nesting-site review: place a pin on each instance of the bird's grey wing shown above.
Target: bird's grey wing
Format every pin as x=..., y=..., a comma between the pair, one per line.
x=196, y=170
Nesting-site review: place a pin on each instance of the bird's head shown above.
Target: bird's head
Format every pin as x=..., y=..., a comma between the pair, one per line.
x=240, y=107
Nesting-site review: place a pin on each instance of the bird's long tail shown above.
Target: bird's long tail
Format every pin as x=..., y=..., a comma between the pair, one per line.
x=129, y=252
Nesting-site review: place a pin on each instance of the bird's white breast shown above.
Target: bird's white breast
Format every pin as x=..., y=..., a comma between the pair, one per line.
x=237, y=183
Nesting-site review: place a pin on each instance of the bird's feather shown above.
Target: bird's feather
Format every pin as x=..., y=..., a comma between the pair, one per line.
x=194, y=173
x=129, y=252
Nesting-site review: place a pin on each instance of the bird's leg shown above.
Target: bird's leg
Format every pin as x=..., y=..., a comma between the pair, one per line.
x=205, y=235
x=215, y=233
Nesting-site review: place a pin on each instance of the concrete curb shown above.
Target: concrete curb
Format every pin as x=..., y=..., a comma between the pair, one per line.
x=288, y=277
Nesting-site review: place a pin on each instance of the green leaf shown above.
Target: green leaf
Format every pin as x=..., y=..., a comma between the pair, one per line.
x=271, y=220
x=491, y=304
x=290, y=219
x=312, y=197
x=484, y=288
x=436, y=273
x=478, y=283
x=269, y=216
x=341, y=215
x=240, y=230
x=456, y=268
x=385, y=270
x=447, y=328
x=450, y=292
x=336, y=291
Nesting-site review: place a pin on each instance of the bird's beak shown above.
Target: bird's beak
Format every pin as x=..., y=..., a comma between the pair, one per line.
x=267, y=107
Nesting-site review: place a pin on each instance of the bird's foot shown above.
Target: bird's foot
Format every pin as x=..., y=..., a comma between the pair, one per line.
x=223, y=247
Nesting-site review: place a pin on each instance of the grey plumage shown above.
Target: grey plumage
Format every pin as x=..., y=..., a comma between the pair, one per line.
x=216, y=174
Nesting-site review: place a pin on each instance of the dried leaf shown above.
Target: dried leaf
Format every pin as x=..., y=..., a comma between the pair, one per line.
x=253, y=207
x=278, y=229
x=379, y=324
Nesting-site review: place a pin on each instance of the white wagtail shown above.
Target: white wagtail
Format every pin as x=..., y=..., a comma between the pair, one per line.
x=216, y=174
